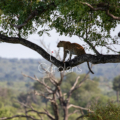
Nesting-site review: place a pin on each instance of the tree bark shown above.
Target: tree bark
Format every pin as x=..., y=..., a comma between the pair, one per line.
x=66, y=113
x=95, y=59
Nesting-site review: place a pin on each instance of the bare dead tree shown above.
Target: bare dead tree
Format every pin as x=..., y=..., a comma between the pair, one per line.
x=57, y=98
x=60, y=102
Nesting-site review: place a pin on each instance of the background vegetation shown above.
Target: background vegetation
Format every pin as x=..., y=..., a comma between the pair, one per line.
x=14, y=90
x=11, y=69
x=92, y=22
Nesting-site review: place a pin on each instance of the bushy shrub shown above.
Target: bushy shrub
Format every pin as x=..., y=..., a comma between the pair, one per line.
x=111, y=111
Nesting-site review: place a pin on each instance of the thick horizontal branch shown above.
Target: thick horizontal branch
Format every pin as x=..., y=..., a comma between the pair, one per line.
x=66, y=65
x=32, y=46
x=95, y=59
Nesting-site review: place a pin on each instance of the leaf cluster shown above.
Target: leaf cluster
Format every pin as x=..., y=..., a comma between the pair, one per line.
x=71, y=17
x=109, y=112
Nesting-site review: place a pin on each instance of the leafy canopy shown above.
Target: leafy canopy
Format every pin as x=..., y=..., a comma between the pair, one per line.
x=73, y=17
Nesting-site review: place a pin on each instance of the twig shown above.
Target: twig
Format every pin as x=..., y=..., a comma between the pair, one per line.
x=36, y=79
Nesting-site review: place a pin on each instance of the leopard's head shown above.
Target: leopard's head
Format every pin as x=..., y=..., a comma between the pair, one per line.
x=61, y=44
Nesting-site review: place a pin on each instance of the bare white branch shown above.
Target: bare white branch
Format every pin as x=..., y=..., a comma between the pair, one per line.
x=78, y=107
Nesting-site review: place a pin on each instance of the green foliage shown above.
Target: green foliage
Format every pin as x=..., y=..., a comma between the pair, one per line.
x=88, y=91
x=111, y=111
x=71, y=17
x=116, y=83
x=11, y=70
x=6, y=111
x=75, y=18
x=17, y=11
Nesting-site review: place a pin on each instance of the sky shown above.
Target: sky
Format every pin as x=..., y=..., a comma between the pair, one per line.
x=8, y=50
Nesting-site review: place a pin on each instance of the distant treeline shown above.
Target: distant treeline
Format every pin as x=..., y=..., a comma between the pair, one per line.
x=11, y=69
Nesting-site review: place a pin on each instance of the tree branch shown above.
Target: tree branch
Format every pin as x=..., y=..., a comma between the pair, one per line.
x=112, y=16
x=32, y=46
x=73, y=113
x=26, y=116
x=102, y=7
x=55, y=107
x=39, y=10
x=78, y=107
x=49, y=115
x=92, y=8
x=46, y=113
x=42, y=83
x=86, y=39
x=40, y=94
x=72, y=89
x=67, y=65
x=111, y=49
x=93, y=47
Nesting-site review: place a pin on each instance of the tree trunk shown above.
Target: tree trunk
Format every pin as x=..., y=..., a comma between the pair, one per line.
x=117, y=94
x=66, y=114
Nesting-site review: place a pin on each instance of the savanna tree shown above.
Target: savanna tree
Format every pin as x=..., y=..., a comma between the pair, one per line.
x=89, y=20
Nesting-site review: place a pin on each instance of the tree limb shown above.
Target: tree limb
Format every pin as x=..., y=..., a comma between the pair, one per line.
x=112, y=16
x=55, y=107
x=67, y=65
x=49, y=115
x=78, y=107
x=42, y=83
x=73, y=113
x=72, y=89
x=93, y=47
x=102, y=7
x=39, y=10
x=26, y=116
x=111, y=49
x=92, y=8
x=46, y=113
